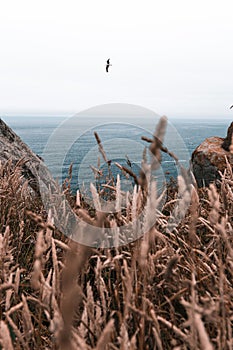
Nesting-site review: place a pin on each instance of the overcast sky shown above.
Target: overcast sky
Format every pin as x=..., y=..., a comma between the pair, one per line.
x=172, y=56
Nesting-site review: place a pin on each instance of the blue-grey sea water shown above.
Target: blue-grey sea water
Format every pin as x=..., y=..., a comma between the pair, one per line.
x=62, y=141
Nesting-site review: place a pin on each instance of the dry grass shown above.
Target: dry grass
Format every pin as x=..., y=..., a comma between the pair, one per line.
x=170, y=289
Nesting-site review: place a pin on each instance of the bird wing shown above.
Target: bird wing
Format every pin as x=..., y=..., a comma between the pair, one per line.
x=231, y=106
x=108, y=61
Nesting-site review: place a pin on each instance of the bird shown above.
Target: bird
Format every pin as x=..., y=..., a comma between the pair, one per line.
x=108, y=65
x=231, y=106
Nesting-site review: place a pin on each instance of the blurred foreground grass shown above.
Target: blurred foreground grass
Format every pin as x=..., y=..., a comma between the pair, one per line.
x=170, y=289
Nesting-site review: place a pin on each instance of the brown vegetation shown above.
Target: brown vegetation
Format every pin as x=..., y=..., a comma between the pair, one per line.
x=170, y=289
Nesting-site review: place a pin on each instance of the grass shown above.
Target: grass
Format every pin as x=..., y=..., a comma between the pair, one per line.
x=170, y=289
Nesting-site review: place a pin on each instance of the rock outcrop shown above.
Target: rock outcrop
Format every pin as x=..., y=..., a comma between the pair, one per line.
x=210, y=157
x=33, y=168
x=227, y=141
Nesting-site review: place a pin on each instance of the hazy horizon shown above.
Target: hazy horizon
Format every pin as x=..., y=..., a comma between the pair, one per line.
x=67, y=116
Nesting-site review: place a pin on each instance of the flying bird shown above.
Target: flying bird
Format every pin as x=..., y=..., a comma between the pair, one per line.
x=108, y=65
x=231, y=106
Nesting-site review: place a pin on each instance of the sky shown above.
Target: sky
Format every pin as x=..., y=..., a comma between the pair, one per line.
x=173, y=57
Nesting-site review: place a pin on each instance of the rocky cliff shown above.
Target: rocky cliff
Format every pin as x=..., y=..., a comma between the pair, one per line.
x=12, y=147
x=210, y=157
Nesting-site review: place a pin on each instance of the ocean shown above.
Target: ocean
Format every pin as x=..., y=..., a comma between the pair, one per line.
x=61, y=141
